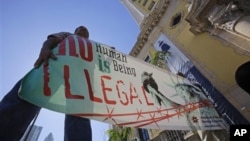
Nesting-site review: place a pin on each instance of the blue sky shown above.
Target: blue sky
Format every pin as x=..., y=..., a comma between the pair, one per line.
x=25, y=25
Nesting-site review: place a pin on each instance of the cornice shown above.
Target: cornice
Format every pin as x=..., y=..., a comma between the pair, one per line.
x=149, y=23
x=197, y=16
x=221, y=28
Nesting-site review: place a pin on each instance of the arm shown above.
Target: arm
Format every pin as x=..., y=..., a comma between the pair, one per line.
x=48, y=45
x=46, y=52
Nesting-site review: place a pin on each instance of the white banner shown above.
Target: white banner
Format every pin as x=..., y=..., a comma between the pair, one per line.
x=92, y=80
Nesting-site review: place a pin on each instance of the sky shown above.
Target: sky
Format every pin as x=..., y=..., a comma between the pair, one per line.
x=25, y=24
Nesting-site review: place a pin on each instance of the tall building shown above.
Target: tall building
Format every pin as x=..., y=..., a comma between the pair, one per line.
x=134, y=11
x=32, y=133
x=49, y=137
x=207, y=40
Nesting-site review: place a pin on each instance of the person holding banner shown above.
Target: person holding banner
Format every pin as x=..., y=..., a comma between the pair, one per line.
x=16, y=114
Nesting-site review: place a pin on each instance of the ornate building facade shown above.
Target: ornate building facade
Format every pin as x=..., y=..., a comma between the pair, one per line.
x=210, y=39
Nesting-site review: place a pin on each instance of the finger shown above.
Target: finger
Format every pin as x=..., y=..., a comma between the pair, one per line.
x=38, y=62
x=52, y=56
x=45, y=61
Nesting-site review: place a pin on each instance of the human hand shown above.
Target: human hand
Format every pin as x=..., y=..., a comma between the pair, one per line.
x=44, y=56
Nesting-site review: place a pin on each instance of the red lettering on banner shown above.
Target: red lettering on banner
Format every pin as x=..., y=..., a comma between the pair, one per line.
x=85, y=52
x=91, y=93
x=132, y=89
x=72, y=47
x=62, y=48
x=68, y=94
x=119, y=95
x=125, y=97
x=104, y=89
x=145, y=95
x=46, y=88
x=89, y=56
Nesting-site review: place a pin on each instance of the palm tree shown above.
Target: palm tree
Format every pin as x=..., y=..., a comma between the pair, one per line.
x=114, y=135
x=119, y=134
x=158, y=58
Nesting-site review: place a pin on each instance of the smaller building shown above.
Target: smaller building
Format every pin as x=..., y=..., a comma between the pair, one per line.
x=49, y=137
x=32, y=133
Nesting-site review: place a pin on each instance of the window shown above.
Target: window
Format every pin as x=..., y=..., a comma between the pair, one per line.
x=176, y=19
x=151, y=5
x=147, y=59
x=145, y=2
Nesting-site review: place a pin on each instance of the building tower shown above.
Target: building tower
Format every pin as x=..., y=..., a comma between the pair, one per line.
x=49, y=137
x=137, y=9
x=33, y=134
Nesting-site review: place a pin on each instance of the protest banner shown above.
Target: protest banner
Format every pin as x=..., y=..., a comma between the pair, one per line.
x=92, y=80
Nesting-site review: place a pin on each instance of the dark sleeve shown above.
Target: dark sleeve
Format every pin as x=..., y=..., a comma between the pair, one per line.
x=59, y=36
